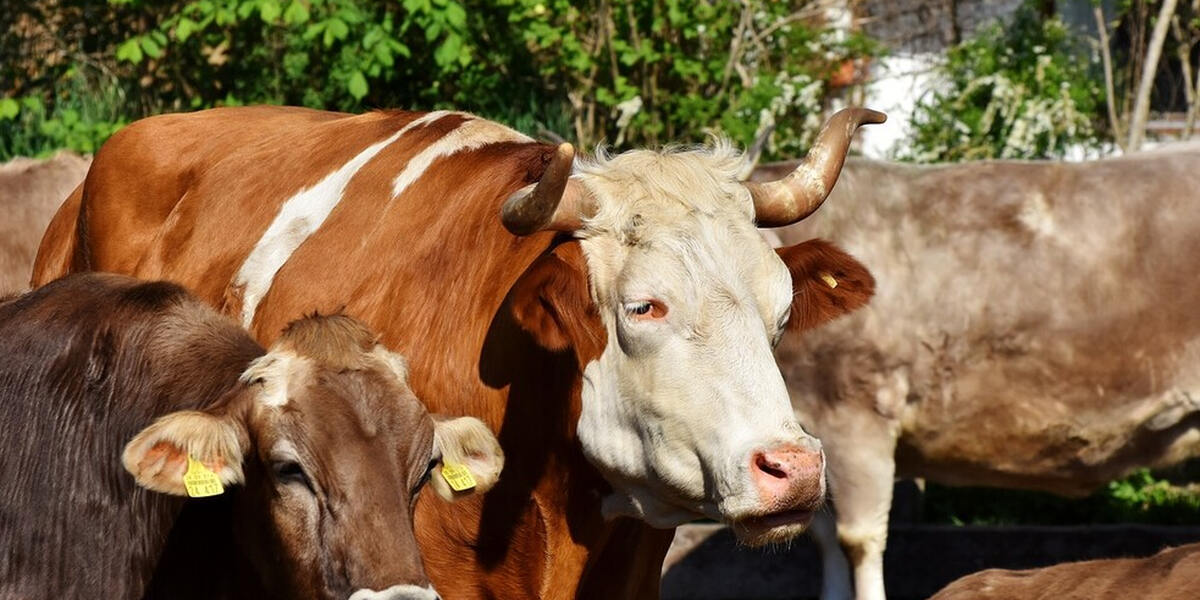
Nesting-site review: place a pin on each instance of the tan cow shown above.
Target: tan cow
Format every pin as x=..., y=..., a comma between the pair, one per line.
x=1036, y=326
x=1169, y=575
x=611, y=317
x=302, y=464
x=30, y=191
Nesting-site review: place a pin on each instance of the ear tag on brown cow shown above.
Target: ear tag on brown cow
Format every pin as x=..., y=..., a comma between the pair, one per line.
x=828, y=279
x=200, y=481
x=459, y=478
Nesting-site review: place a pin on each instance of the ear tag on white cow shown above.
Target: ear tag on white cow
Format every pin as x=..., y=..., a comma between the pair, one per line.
x=828, y=279
x=459, y=478
x=200, y=481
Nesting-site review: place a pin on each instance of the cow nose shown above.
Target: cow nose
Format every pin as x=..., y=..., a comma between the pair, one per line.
x=397, y=592
x=789, y=477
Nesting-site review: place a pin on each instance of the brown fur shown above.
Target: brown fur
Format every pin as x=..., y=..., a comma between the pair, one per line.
x=816, y=301
x=92, y=361
x=483, y=317
x=1169, y=575
x=1034, y=326
x=30, y=192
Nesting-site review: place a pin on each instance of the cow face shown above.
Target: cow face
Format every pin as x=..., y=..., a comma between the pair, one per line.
x=332, y=448
x=684, y=409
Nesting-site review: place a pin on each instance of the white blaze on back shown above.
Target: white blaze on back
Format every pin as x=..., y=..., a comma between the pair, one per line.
x=303, y=214
x=471, y=134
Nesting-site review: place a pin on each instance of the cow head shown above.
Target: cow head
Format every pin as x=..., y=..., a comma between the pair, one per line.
x=330, y=447
x=683, y=407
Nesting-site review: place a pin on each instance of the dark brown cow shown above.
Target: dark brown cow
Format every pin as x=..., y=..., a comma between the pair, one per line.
x=1169, y=575
x=1035, y=327
x=30, y=191
x=611, y=317
x=316, y=451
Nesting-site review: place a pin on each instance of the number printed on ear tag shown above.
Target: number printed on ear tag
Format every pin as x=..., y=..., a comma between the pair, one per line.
x=200, y=481
x=459, y=478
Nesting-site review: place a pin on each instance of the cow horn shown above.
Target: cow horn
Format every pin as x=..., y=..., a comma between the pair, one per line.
x=788, y=200
x=554, y=203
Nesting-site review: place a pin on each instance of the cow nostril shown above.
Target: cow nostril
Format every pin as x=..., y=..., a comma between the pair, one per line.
x=769, y=467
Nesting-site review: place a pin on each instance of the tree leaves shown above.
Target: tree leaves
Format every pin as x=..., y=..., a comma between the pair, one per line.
x=357, y=85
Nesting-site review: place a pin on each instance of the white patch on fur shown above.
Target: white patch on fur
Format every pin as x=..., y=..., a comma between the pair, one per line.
x=674, y=410
x=1037, y=215
x=467, y=441
x=473, y=133
x=397, y=592
x=394, y=361
x=273, y=372
x=298, y=218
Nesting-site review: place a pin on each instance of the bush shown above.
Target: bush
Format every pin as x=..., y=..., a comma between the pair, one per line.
x=629, y=73
x=82, y=112
x=1021, y=90
x=1142, y=497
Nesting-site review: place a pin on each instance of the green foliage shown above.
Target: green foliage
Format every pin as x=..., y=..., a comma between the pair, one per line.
x=84, y=112
x=651, y=72
x=643, y=72
x=1021, y=90
x=1141, y=497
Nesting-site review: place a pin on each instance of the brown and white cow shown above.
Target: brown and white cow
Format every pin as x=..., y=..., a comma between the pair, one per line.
x=320, y=441
x=1169, y=575
x=612, y=317
x=30, y=191
x=1035, y=326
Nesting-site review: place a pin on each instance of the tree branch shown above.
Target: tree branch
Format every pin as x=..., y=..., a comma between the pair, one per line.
x=1141, y=106
x=1109, y=90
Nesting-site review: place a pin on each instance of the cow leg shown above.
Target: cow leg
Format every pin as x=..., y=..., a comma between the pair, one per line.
x=861, y=476
x=835, y=570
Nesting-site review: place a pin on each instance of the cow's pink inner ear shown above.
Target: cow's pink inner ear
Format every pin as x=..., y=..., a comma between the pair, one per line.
x=551, y=302
x=826, y=282
x=157, y=457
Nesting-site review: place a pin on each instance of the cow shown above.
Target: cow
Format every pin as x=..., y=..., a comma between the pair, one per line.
x=611, y=317
x=1034, y=327
x=30, y=192
x=123, y=402
x=1169, y=575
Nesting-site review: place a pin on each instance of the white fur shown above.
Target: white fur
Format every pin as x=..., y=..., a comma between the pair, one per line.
x=298, y=218
x=467, y=441
x=397, y=592
x=273, y=372
x=674, y=410
x=473, y=133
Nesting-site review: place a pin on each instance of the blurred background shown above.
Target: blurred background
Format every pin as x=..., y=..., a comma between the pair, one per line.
x=961, y=80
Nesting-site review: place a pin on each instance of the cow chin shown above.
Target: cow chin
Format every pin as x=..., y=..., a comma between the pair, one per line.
x=772, y=529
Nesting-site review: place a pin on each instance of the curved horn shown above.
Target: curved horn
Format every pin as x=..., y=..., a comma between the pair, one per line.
x=553, y=203
x=797, y=195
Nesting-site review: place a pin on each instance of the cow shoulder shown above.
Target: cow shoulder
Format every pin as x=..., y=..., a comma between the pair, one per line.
x=826, y=281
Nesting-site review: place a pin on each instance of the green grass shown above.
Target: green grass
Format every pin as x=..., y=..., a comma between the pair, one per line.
x=1168, y=497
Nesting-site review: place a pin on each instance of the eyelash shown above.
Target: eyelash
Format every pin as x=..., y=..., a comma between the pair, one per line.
x=291, y=472
x=646, y=310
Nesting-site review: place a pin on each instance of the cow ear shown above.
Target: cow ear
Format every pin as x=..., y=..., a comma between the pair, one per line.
x=550, y=301
x=160, y=455
x=466, y=443
x=826, y=283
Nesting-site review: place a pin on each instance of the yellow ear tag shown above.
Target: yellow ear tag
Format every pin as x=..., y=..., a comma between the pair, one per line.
x=459, y=478
x=200, y=481
x=828, y=279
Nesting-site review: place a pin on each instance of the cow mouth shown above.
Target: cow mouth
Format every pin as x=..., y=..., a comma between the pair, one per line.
x=772, y=528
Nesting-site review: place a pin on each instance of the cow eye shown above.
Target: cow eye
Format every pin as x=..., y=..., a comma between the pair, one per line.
x=290, y=472
x=646, y=310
